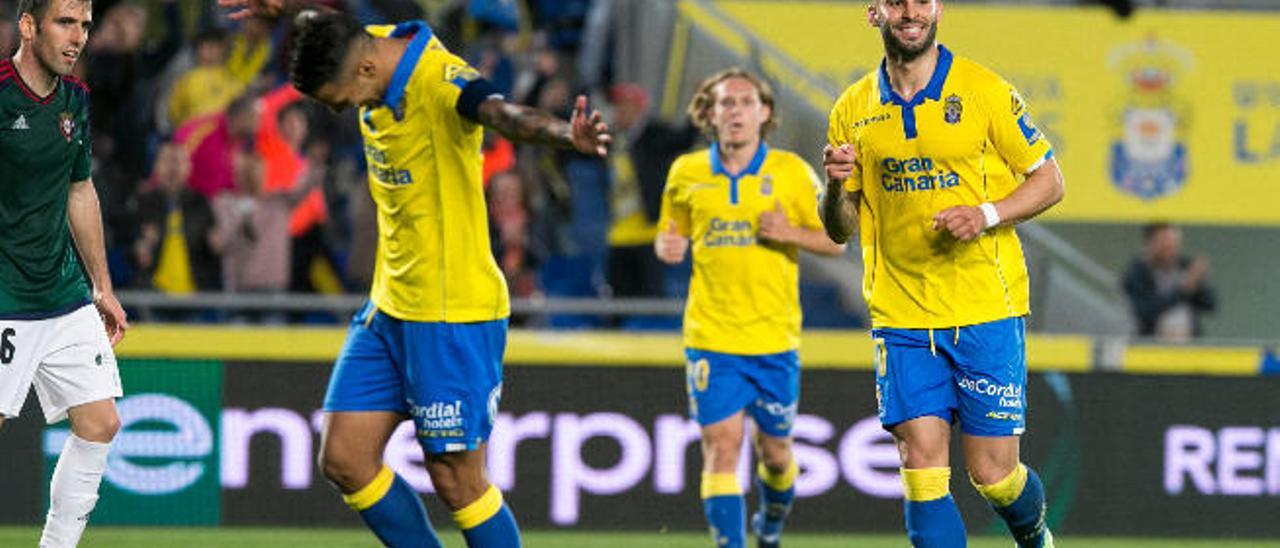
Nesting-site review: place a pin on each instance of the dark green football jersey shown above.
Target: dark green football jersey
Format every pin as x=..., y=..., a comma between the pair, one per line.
x=44, y=147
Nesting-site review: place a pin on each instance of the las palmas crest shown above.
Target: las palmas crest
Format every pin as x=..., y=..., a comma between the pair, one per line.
x=1149, y=155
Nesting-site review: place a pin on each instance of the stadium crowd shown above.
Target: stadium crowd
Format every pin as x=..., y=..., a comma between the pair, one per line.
x=216, y=175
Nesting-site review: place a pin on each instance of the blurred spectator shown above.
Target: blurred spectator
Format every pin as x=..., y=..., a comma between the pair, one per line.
x=125, y=67
x=282, y=137
x=529, y=86
x=362, y=223
x=562, y=19
x=8, y=36
x=643, y=150
x=495, y=64
x=574, y=266
x=173, y=252
x=208, y=87
x=1167, y=290
x=252, y=229
x=211, y=141
x=509, y=222
x=499, y=156
x=501, y=14
x=250, y=50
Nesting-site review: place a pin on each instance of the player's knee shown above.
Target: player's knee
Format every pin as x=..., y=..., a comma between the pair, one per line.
x=720, y=455
x=776, y=456
x=450, y=489
x=343, y=469
x=989, y=471
x=100, y=428
x=923, y=453
x=456, y=480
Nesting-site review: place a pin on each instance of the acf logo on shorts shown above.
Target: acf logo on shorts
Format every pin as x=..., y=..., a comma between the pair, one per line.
x=697, y=374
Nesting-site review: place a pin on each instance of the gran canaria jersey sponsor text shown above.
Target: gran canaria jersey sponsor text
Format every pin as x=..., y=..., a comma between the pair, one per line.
x=915, y=174
x=729, y=232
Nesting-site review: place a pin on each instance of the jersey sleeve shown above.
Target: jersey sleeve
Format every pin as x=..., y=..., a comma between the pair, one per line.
x=449, y=76
x=675, y=202
x=839, y=132
x=1022, y=145
x=82, y=164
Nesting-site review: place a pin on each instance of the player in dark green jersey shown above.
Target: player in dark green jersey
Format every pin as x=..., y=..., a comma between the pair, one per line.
x=56, y=329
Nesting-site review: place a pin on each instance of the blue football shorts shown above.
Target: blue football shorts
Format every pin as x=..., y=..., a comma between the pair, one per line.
x=975, y=374
x=767, y=386
x=447, y=377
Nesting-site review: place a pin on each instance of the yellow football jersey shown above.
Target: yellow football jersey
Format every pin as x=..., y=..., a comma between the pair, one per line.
x=963, y=140
x=434, y=263
x=744, y=297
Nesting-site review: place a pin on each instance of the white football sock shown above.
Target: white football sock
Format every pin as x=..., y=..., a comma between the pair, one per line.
x=73, y=491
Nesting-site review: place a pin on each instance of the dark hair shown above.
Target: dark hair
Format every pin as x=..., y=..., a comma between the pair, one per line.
x=37, y=8
x=320, y=46
x=1154, y=228
x=211, y=34
x=241, y=104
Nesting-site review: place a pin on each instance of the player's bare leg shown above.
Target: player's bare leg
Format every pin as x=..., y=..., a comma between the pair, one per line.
x=989, y=459
x=477, y=505
x=351, y=447
x=777, y=476
x=1013, y=489
x=932, y=517
x=722, y=500
x=73, y=490
x=97, y=421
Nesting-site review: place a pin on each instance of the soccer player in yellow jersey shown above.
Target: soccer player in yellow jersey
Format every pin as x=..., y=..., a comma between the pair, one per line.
x=934, y=159
x=429, y=343
x=748, y=209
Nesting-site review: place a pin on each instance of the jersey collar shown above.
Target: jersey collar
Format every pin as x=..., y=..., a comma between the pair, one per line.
x=421, y=34
x=753, y=168
x=931, y=91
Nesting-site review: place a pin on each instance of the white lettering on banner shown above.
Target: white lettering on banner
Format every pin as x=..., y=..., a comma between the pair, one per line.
x=570, y=476
x=508, y=432
x=240, y=426
x=672, y=435
x=869, y=459
x=864, y=457
x=404, y=455
x=190, y=439
x=818, y=469
x=1233, y=461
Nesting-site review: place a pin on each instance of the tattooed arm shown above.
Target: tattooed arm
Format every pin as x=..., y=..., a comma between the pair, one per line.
x=585, y=134
x=242, y=9
x=839, y=208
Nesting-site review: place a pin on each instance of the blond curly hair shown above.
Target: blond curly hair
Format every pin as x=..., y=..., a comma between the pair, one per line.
x=704, y=100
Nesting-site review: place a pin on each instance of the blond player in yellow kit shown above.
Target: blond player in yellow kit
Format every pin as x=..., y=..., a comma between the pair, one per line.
x=748, y=210
x=934, y=158
x=428, y=345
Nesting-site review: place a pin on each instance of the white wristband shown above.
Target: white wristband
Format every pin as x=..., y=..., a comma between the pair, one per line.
x=990, y=213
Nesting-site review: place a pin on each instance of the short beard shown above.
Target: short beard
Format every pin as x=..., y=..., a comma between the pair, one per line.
x=902, y=53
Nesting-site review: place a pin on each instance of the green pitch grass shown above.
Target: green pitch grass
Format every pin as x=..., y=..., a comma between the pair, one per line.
x=133, y=537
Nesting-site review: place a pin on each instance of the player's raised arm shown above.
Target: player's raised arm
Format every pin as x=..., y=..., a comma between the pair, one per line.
x=583, y=133
x=839, y=207
x=241, y=9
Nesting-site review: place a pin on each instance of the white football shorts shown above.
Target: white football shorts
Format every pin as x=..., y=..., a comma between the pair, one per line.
x=67, y=358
